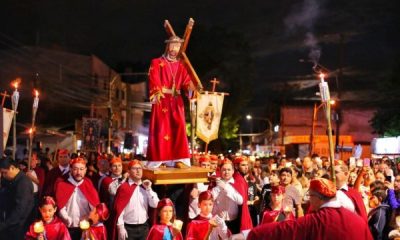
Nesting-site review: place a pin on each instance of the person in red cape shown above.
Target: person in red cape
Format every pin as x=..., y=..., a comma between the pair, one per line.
x=347, y=195
x=275, y=211
x=103, y=166
x=130, y=215
x=328, y=220
x=230, y=195
x=76, y=197
x=205, y=226
x=110, y=184
x=61, y=170
x=54, y=228
x=167, y=226
x=97, y=230
x=168, y=78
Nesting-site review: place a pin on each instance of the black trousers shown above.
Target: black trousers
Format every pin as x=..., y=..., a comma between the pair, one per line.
x=76, y=233
x=234, y=225
x=137, y=231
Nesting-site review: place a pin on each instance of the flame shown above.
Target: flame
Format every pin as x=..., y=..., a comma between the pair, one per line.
x=322, y=75
x=16, y=83
x=30, y=130
x=36, y=93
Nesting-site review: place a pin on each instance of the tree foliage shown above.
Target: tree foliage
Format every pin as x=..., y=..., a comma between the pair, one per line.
x=386, y=120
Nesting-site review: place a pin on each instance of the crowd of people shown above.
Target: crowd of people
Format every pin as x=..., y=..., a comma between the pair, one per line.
x=106, y=197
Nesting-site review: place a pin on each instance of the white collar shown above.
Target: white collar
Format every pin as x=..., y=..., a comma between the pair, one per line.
x=130, y=181
x=209, y=216
x=344, y=187
x=63, y=168
x=334, y=203
x=72, y=180
x=231, y=180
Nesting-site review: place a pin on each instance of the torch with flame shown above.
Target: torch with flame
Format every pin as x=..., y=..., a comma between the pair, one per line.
x=14, y=102
x=34, y=110
x=38, y=228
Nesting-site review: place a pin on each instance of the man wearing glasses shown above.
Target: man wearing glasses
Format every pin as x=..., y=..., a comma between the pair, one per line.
x=75, y=197
x=131, y=205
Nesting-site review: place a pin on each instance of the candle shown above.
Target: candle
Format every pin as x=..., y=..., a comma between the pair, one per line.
x=177, y=224
x=38, y=227
x=322, y=76
x=36, y=100
x=84, y=224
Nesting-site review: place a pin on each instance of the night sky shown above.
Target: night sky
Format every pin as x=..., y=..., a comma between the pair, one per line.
x=361, y=36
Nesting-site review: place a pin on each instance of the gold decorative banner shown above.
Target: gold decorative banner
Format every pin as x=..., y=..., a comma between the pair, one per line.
x=209, y=109
x=7, y=120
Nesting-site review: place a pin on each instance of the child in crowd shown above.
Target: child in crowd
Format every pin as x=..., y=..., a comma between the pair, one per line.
x=49, y=227
x=379, y=216
x=206, y=226
x=97, y=216
x=167, y=228
x=275, y=211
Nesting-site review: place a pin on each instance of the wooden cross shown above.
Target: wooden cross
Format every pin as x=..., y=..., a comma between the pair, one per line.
x=214, y=83
x=5, y=95
x=182, y=51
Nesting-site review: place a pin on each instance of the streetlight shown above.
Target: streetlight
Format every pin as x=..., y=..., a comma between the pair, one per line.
x=269, y=126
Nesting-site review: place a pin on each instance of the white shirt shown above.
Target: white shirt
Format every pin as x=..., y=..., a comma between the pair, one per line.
x=35, y=186
x=226, y=201
x=77, y=206
x=218, y=232
x=344, y=200
x=64, y=170
x=135, y=211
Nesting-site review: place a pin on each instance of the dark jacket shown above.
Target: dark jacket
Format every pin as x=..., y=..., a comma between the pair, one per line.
x=378, y=222
x=17, y=197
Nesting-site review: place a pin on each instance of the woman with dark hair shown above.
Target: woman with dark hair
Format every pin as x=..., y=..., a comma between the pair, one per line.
x=167, y=226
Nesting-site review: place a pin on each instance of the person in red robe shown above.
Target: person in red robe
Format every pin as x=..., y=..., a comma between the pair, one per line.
x=75, y=197
x=97, y=230
x=103, y=166
x=61, y=170
x=110, y=184
x=54, y=228
x=275, y=211
x=230, y=195
x=132, y=203
x=205, y=226
x=168, y=78
x=167, y=226
x=327, y=221
x=342, y=176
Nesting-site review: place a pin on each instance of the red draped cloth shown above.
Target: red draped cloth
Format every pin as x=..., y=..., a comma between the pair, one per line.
x=157, y=232
x=55, y=230
x=325, y=224
x=167, y=131
x=98, y=232
x=64, y=190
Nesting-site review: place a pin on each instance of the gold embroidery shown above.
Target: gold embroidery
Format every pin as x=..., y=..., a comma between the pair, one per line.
x=164, y=110
x=166, y=137
x=162, y=64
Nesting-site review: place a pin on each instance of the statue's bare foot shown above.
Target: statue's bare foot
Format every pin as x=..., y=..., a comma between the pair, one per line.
x=163, y=165
x=181, y=165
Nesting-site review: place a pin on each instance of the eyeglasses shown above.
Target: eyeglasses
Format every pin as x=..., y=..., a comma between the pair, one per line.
x=136, y=168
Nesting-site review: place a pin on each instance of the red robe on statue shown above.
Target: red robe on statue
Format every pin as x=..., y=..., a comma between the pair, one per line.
x=157, y=232
x=167, y=131
x=55, y=230
x=64, y=190
x=325, y=224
